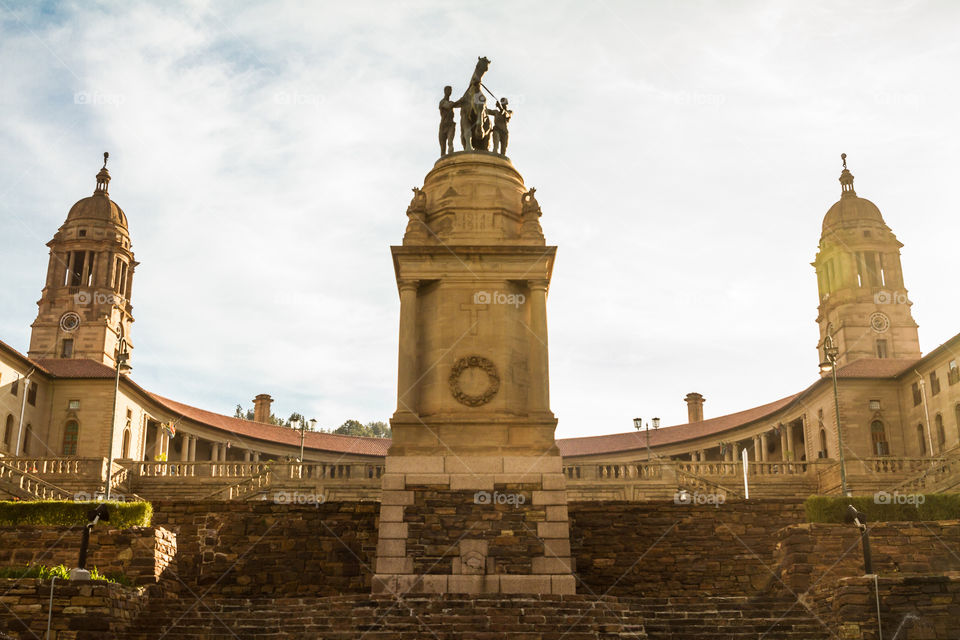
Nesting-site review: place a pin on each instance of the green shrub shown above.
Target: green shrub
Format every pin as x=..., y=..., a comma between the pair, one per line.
x=936, y=506
x=61, y=572
x=60, y=513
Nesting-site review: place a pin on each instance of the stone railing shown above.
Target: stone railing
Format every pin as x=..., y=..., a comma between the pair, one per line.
x=93, y=468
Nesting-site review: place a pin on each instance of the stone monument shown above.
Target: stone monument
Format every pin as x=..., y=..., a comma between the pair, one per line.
x=474, y=498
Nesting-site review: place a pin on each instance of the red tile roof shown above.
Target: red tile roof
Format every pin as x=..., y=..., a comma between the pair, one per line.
x=273, y=433
x=75, y=368
x=612, y=443
x=876, y=368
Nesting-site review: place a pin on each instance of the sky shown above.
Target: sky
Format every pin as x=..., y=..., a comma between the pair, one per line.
x=684, y=154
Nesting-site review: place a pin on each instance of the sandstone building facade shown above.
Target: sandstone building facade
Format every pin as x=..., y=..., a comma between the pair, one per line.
x=60, y=420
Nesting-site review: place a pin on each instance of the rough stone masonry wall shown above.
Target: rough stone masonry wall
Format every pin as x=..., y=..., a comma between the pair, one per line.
x=262, y=548
x=142, y=554
x=814, y=555
x=914, y=607
x=81, y=610
x=664, y=549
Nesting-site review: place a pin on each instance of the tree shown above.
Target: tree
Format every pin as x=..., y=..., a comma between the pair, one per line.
x=369, y=430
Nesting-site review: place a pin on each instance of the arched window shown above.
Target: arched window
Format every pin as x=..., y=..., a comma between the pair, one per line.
x=878, y=436
x=125, y=447
x=941, y=434
x=71, y=433
x=8, y=430
x=27, y=437
x=823, y=444
x=923, y=441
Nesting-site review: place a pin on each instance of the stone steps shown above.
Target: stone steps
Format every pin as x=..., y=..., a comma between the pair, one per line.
x=349, y=617
x=482, y=617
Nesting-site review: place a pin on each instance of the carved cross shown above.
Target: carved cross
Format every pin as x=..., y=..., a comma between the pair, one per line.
x=474, y=309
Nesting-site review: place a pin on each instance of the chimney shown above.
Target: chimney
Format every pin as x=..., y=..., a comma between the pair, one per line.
x=261, y=408
x=694, y=407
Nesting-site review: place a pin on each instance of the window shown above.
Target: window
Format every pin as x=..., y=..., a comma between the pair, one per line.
x=882, y=349
x=923, y=441
x=917, y=394
x=15, y=387
x=125, y=447
x=71, y=433
x=66, y=349
x=8, y=430
x=27, y=436
x=953, y=372
x=820, y=416
x=32, y=393
x=874, y=405
x=934, y=383
x=941, y=434
x=879, y=437
x=82, y=233
x=73, y=404
x=823, y=444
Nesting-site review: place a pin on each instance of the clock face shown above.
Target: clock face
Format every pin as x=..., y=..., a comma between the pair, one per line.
x=69, y=321
x=879, y=322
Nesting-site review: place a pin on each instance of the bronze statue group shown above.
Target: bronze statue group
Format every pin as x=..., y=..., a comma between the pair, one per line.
x=476, y=128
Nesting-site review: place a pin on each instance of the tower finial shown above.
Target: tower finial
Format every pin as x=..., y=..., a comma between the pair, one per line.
x=846, y=179
x=103, y=178
x=843, y=157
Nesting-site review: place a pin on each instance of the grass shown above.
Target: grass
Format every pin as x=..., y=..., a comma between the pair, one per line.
x=60, y=513
x=899, y=508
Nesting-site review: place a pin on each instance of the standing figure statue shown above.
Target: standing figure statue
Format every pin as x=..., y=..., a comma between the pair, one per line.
x=472, y=111
x=501, y=117
x=448, y=127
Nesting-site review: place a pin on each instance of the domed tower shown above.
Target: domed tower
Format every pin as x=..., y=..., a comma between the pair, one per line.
x=85, y=304
x=863, y=301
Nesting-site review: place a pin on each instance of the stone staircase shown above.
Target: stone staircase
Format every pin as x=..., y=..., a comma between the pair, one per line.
x=480, y=617
x=23, y=485
x=729, y=618
x=447, y=617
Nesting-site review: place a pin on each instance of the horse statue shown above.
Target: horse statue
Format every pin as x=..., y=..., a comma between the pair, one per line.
x=475, y=128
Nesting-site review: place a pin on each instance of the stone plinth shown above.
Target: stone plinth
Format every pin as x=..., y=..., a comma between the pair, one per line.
x=451, y=524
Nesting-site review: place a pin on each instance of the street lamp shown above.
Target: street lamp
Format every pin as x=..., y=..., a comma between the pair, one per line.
x=122, y=364
x=829, y=365
x=638, y=424
x=303, y=433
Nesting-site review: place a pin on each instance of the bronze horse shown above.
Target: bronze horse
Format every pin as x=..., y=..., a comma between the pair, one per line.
x=473, y=112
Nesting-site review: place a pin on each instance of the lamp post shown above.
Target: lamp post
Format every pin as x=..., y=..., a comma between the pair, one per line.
x=303, y=432
x=121, y=361
x=638, y=424
x=829, y=365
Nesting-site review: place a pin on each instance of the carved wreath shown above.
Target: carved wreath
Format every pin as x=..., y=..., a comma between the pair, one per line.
x=474, y=362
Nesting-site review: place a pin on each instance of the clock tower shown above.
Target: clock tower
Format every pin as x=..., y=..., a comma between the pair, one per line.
x=863, y=301
x=85, y=308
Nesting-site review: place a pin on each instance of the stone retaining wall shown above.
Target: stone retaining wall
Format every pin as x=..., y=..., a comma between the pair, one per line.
x=142, y=554
x=665, y=549
x=81, y=610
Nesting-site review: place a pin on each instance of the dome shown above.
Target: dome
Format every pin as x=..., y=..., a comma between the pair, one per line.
x=98, y=207
x=850, y=210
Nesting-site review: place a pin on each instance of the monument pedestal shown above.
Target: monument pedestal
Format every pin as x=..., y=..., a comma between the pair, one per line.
x=487, y=524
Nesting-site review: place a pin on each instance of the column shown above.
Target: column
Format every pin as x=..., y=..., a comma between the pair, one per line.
x=214, y=451
x=246, y=455
x=256, y=456
x=764, y=443
x=193, y=449
x=158, y=443
x=407, y=395
x=793, y=453
x=736, y=452
x=184, y=447
x=539, y=359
